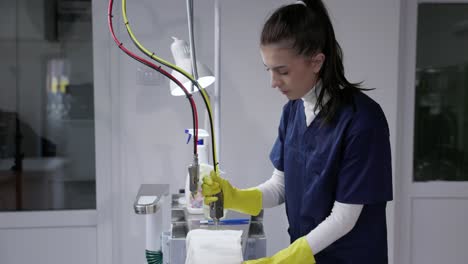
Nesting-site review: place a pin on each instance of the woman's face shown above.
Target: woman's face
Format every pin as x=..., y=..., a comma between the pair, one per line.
x=294, y=75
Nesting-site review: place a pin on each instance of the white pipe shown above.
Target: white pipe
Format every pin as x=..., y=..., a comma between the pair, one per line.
x=153, y=231
x=217, y=73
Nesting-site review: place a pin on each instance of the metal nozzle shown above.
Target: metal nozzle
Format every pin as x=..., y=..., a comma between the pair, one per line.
x=194, y=171
x=217, y=208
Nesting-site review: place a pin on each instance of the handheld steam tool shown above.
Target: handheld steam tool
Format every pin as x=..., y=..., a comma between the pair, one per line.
x=194, y=176
x=196, y=170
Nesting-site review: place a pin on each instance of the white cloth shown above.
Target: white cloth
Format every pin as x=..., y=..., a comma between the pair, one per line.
x=214, y=246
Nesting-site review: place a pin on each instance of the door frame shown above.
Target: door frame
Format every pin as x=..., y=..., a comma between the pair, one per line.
x=107, y=116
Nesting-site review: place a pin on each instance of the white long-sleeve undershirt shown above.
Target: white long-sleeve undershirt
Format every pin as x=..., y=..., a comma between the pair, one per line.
x=341, y=220
x=342, y=217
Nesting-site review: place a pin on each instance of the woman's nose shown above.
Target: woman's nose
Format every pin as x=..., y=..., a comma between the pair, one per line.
x=275, y=80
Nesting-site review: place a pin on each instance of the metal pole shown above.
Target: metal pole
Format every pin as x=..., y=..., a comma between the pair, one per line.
x=193, y=56
x=217, y=84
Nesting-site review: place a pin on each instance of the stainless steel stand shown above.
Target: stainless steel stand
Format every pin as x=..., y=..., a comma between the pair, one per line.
x=172, y=240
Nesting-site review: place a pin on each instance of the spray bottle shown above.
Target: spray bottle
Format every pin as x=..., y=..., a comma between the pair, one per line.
x=195, y=202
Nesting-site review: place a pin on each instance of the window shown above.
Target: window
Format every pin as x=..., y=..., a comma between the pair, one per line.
x=441, y=113
x=47, y=148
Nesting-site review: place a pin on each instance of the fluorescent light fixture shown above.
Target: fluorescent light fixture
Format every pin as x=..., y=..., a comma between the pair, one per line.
x=181, y=53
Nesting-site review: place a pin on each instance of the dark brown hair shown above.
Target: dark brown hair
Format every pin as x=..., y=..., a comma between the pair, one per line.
x=308, y=30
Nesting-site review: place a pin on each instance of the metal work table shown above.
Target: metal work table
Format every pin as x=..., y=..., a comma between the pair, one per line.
x=153, y=200
x=173, y=244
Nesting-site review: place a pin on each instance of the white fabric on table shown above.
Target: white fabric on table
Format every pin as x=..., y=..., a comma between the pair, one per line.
x=214, y=246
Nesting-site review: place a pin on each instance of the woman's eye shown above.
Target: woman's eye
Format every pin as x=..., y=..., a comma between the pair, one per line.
x=283, y=73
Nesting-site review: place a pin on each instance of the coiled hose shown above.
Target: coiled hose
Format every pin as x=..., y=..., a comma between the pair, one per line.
x=154, y=257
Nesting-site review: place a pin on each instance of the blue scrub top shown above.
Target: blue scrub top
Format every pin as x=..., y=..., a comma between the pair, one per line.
x=348, y=161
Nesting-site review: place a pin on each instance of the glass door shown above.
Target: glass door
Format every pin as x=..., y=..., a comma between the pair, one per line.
x=47, y=148
x=441, y=99
x=432, y=159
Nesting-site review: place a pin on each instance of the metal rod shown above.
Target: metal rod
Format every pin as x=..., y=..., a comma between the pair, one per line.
x=193, y=57
x=217, y=208
x=217, y=73
x=18, y=167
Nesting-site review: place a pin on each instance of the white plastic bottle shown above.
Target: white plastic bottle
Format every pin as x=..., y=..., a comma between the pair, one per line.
x=195, y=203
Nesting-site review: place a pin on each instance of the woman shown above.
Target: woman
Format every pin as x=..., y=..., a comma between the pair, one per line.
x=332, y=161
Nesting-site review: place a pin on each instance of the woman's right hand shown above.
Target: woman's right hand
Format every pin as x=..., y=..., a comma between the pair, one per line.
x=248, y=201
x=212, y=185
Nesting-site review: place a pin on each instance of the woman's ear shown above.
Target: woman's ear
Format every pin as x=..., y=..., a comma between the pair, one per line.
x=318, y=60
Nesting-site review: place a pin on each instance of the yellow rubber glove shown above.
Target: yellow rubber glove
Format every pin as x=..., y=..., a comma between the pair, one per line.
x=248, y=201
x=297, y=252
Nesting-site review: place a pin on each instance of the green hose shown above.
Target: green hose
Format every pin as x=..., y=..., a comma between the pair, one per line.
x=154, y=257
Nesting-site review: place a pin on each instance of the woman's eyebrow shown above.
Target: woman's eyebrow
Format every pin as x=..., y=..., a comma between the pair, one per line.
x=276, y=67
